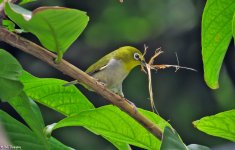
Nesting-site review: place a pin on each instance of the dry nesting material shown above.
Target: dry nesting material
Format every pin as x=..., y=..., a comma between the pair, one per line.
x=151, y=66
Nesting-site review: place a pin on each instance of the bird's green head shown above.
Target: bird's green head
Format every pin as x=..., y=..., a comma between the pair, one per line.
x=131, y=57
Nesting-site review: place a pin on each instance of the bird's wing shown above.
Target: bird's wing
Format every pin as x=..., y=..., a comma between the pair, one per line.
x=95, y=69
x=99, y=65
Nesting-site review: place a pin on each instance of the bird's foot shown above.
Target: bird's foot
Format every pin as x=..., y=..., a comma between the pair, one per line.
x=99, y=82
x=102, y=83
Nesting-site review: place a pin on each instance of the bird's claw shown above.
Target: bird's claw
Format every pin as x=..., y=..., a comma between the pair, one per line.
x=100, y=82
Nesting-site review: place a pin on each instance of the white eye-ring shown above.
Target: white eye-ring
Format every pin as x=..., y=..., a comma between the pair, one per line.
x=136, y=56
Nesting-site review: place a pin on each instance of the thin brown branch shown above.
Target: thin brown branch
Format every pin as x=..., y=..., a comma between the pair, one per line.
x=72, y=71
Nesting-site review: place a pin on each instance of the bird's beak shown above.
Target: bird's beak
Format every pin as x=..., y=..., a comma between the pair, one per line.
x=143, y=63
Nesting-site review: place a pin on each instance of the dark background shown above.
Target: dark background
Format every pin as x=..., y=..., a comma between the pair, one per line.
x=174, y=25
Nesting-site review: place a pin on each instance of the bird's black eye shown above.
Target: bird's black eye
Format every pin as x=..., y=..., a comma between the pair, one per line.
x=136, y=56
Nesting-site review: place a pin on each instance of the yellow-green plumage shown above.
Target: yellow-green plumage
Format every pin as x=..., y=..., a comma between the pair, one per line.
x=113, y=68
x=124, y=53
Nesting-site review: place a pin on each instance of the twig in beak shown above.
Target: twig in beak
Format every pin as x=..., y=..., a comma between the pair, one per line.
x=164, y=66
x=150, y=66
x=145, y=49
x=151, y=89
x=157, y=53
x=178, y=63
x=144, y=65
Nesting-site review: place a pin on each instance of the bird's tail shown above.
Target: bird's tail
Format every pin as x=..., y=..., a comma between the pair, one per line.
x=71, y=83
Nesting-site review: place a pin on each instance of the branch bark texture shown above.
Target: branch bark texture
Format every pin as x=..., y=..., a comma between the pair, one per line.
x=74, y=72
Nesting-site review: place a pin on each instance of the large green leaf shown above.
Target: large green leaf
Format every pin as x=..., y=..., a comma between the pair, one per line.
x=56, y=27
x=172, y=141
x=10, y=72
x=30, y=112
x=51, y=92
x=221, y=125
x=66, y=100
x=20, y=135
x=111, y=122
x=118, y=145
x=37, y=112
x=216, y=36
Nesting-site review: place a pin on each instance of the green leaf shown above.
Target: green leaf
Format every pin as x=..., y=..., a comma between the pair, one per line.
x=66, y=100
x=51, y=93
x=216, y=36
x=56, y=27
x=233, y=28
x=197, y=147
x=22, y=2
x=29, y=111
x=119, y=145
x=9, y=25
x=57, y=145
x=20, y=135
x=220, y=125
x=31, y=114
x=112, y=123
x=36, y=112
x=171, y=140
x=10, y=72
x=160, y=122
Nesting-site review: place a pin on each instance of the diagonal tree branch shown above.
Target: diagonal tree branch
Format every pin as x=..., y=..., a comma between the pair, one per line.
x=72, y=71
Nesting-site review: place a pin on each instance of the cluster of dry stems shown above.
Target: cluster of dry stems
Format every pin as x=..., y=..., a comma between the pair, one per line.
x=151, y=66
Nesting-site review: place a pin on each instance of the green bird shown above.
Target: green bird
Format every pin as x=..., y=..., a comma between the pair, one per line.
x=114, y=67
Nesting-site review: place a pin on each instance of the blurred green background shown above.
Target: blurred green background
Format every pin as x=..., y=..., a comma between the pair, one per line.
x=174, y=25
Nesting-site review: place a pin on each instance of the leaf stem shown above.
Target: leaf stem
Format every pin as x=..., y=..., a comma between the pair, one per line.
x=59, y=57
